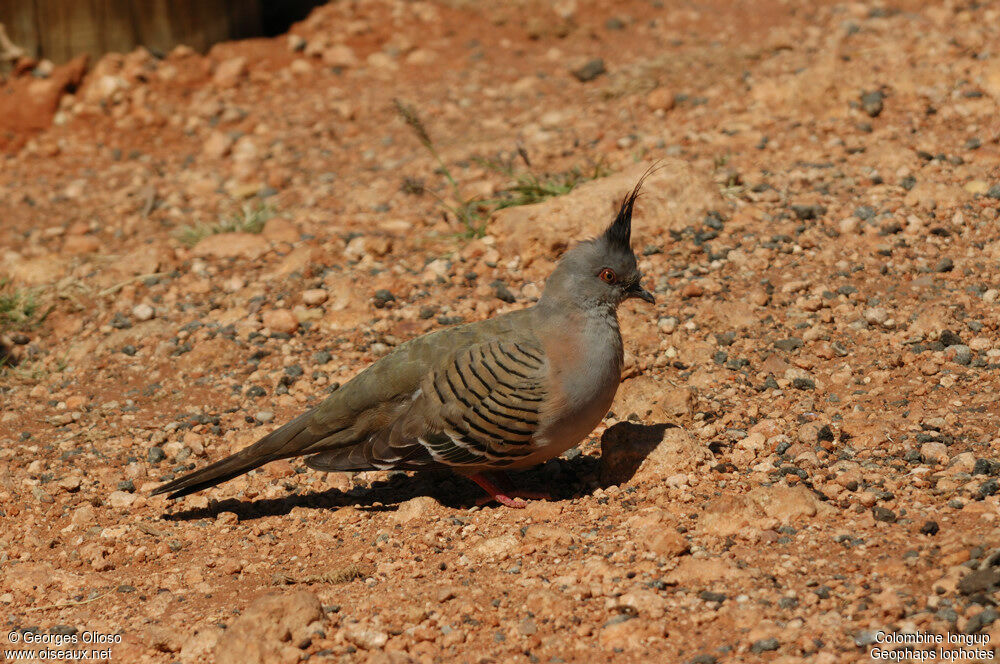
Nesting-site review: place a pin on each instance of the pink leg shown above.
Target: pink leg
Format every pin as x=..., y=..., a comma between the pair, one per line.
x=501, y=489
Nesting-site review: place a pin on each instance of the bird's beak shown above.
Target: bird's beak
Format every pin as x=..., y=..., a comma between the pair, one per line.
x=641, y=293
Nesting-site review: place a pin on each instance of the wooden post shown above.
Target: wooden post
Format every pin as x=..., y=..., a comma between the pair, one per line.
x=61, y=29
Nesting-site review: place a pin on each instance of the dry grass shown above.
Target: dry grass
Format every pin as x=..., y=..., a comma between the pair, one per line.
x=249, y=219
x=19, y=307
x=527, y=188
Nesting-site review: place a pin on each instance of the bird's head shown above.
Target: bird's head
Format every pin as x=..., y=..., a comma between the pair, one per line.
x=601, y=272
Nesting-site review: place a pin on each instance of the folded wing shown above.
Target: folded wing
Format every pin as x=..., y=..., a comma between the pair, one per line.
x=483, y=407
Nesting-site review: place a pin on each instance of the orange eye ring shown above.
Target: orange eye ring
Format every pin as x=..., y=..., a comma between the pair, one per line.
x=608, y=275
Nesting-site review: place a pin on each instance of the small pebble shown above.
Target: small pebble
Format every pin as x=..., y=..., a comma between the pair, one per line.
x=143, y=312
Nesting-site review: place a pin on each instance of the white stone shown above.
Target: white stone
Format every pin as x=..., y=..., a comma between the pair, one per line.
x=143, y=312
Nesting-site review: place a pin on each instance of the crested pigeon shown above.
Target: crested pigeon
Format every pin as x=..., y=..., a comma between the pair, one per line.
x=504, y=393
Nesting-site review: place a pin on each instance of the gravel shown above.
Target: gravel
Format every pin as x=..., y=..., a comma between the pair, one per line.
x=589, y=70
x=808, y=412
x=872, y=103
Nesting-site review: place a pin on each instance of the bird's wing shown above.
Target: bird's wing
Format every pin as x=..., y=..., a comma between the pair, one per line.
x=364, y=408
x=481, y=405
x=397, y=413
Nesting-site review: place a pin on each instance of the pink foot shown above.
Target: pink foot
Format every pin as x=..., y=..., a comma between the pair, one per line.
x=501, y=490
x=516, y=502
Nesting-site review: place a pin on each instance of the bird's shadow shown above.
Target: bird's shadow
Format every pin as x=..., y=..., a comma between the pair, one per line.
x=570, y=476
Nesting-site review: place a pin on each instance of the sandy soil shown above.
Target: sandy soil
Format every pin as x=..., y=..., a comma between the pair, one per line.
x=803, y=452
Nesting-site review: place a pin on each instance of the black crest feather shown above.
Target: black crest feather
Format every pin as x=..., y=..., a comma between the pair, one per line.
x=619, y=233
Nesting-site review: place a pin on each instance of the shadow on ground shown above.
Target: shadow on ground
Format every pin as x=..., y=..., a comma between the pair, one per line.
x=567, y=477
x=624, y=446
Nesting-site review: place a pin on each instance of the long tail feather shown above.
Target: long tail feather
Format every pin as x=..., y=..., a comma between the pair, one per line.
x=271, y=447
x=351, y=459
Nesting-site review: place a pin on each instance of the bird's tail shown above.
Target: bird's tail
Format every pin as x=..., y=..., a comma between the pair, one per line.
x=271, y=447
x=351, y=459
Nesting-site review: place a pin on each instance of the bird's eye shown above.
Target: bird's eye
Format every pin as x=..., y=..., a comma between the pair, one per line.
x=608, y=275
